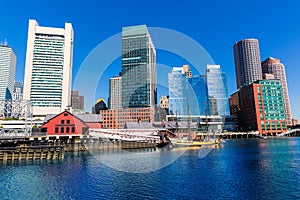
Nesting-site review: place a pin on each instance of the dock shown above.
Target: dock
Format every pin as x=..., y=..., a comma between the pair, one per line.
x=31, y=152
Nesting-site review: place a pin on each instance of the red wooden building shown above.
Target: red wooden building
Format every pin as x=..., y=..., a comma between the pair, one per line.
x=66, y=123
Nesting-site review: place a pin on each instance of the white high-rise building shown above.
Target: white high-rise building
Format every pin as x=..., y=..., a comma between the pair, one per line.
x=217, y=90
x=115, y=92
x=48, y=72
x=8, y=70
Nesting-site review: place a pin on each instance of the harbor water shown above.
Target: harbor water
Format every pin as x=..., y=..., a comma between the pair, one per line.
x=238, y=169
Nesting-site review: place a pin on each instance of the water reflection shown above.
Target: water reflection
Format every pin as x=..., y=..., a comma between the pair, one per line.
x=240, y=169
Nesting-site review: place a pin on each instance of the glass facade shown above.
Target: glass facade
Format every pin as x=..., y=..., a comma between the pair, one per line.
x=187, y=94
x=217, y=90
x=178, y=86
x=138, y=68
x=198, y=96
x=47, y=70
x=8, y=70
x=273, y=100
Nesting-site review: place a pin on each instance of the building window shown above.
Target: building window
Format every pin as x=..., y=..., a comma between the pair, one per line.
x=62, y=121
x=62, y=129
x=65, y=114
x=68, y=121
x=67, y=130
x=73, y=129
x=56, y=129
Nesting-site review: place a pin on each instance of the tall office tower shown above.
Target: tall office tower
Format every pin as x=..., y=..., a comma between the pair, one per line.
x=77, y=101
x=247, y=62
x=115, y=92
x=138, y=68
x=8, y=70
x=217, y=90
x=178, y=87
x=48, y=72
x=187, y=94
x=277, y=69
x=198, y=96
x=18, y=91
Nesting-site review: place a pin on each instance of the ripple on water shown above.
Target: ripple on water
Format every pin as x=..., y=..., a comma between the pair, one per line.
x=243, y=169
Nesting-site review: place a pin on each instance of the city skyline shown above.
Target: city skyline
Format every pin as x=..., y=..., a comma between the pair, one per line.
x=283, y=44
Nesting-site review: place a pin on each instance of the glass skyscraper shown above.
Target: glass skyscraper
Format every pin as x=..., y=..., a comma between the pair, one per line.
x=187, y=93
x=178, y=87
x=8, y=70
x=217, y=90
x=48, y=72
x=138, y=68
x=198, y=95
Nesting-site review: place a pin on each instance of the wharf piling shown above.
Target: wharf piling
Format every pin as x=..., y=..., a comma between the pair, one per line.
x=31, y=153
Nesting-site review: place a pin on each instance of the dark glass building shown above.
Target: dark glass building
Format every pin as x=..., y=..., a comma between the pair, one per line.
x=138, y=68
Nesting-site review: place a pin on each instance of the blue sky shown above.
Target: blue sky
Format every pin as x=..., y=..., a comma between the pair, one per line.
x=215, y=24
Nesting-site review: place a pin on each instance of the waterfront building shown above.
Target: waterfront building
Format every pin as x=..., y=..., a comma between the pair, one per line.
x=217, y=90
x=115, y=92
x=66, y=123
x=247, y=62
x=234, y=107
x=138, y=68
x=178, y=86
x=260, y=107
x=187, y=94
x=274, y=67
x=99, y=105
x=198, y=95
x=8, y=70
x=18, y=91
x=48, y=71
x=117, y=118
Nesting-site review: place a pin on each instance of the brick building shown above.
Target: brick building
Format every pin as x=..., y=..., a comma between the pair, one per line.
x=116, y=118
x=260, y=107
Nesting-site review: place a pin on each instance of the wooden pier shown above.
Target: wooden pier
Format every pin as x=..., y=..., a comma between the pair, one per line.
x=31, y=152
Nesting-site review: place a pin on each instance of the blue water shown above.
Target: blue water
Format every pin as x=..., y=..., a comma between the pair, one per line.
x=239, y=169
